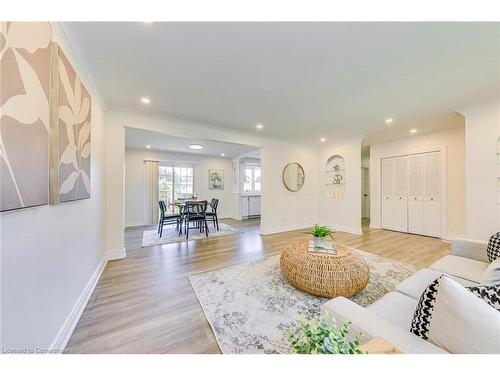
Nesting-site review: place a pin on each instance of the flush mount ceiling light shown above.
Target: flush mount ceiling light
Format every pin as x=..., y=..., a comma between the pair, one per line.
x=148, y=146
x=389, y=120
x=195, y=147
x=413, y=131
x=259, y=126
x=322, y=139
x=223, y=154
x=145, y=100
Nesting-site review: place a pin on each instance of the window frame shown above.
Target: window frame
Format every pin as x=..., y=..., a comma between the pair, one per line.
x=253, y=168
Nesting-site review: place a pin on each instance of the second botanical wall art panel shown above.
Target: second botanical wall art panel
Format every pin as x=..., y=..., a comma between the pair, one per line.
x=70, y=133
x=24, y=114
x=216, y=179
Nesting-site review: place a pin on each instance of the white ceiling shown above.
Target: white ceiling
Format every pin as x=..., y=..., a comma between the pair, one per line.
x=302, y=80
x=138, y=139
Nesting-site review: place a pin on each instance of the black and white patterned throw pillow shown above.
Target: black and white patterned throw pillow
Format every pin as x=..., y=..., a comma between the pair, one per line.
x=488, y=293
x=423, y=313
x=493, y=249
x=459, y=319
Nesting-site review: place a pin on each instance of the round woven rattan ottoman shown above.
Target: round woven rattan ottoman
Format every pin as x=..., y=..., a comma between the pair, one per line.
x=327, y=275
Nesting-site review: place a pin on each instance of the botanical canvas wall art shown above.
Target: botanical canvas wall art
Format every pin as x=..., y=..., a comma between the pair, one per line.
x=70, y=134
x=216, y=179
x=25, y=58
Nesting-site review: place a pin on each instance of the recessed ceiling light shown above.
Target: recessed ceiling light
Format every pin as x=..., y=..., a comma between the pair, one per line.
x=223, y=154
x=148, y=22
x=259, y=126
x=145, y=100
x=196, y=147
x=413, y=131
x=148, y=146
x=322, y=139
x=389, y=120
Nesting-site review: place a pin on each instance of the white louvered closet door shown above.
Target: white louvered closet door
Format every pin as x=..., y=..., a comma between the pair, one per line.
x=387, y=193
x=432, y=195
x=400, y=201
x=416, y=194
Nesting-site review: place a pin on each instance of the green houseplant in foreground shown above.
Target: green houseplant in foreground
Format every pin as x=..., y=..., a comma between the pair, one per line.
x=325, y=338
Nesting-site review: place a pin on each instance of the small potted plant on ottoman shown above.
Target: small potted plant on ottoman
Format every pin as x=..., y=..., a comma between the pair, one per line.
x=320, y=242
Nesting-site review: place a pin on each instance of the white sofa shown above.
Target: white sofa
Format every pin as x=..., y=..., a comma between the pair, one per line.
x=390, y=317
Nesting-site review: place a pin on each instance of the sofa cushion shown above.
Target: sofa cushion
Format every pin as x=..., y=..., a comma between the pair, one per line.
x=415, y=285
x=397, y=308
x=464, y=268
x=456, y=320
x=493, y=249
x=491, y=275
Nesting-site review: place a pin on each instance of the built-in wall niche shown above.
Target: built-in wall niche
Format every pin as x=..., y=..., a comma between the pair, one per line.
x=335, y=176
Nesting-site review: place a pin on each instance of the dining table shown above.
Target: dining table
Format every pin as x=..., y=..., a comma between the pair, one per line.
x=181, y=205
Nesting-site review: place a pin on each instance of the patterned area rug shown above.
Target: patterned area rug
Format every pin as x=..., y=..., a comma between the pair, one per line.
x=252, y=308
x=170, y=235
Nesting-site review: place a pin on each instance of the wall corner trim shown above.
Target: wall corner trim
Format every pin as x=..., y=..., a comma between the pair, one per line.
x=115, y=254
x=64, y=334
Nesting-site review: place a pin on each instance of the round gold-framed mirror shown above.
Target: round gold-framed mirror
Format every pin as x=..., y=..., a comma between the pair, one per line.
x=293, y=176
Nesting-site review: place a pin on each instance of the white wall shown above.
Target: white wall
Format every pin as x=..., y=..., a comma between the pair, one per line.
x=342, y=214
x=482, y=129
x=452, y=142
x=135, y=183
x=281, y=209
x=49, y=253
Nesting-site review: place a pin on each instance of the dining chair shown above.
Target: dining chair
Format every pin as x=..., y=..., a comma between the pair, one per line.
x=212, y=215
x=196, y=212
x=166, y=218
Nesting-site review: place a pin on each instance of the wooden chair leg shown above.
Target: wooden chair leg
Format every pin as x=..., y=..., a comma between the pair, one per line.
x=206, y=228
x=217, y=221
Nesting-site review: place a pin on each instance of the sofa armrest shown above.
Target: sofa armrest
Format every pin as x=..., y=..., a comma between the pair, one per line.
x=371, y=325
x=471, y=249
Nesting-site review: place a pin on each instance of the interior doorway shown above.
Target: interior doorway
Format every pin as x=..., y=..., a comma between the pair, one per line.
x=365, y=185
x=365, y=193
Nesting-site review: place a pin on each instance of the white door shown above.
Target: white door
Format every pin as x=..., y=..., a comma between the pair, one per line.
x=432, y=195
x=387, y=193
x=400, y=202
x=416, y=194
x=411, y=194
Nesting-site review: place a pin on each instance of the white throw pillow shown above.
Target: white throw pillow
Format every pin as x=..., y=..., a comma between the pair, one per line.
x=492, y=274
x=453, y=318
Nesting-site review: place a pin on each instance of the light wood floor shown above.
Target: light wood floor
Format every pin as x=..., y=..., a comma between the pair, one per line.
x=145, y=304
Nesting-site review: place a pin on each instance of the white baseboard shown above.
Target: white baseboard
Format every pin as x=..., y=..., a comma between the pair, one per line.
x=450, y=236
x=346, y=229
x=69, y=325
x=285, y=228
x=135, y=224
x=115, y=254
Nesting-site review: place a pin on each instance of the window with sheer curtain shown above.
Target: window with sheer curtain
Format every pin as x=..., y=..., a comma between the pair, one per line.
x=174, y=182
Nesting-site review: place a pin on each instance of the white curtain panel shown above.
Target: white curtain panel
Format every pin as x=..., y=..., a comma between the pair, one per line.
x=151, y=199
